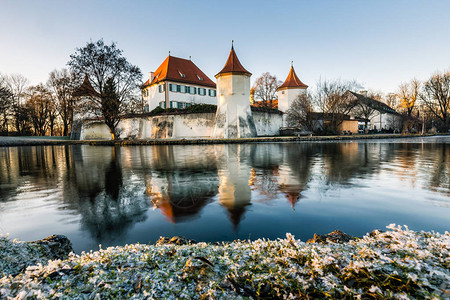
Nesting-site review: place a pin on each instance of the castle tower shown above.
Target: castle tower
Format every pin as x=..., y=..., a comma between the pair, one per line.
x=290, y=90
x=234, y=117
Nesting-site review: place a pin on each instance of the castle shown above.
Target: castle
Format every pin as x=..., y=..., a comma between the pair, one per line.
x=179, y=83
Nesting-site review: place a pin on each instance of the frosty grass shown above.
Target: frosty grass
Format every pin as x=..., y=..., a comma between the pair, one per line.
x=399, y=263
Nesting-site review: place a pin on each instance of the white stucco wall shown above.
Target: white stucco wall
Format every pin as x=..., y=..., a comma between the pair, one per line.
x=234, y=116
x=94, y=130
x=157, y=127
x=267, y=123
x=154, y=96
x=384, y=121
x=194, y=125
x=286, y=96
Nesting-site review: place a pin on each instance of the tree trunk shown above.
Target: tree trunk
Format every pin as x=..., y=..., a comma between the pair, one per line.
x=112, y=132
x=66, y=129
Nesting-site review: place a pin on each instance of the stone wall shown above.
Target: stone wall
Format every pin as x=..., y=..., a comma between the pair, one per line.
x=199, y=125
x=267, y=123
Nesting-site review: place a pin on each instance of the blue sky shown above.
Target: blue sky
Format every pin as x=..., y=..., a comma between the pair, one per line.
x=378, y=43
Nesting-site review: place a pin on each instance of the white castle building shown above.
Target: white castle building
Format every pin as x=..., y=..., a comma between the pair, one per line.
x=178, y=83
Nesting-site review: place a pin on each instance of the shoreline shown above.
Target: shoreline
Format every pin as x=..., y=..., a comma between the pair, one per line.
x=37, y=141
x=398, y=263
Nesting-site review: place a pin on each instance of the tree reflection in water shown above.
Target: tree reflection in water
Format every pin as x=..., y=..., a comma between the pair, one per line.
x=112, y=189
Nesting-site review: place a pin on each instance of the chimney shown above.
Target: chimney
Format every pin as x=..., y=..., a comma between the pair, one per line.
x=151, y=75
x=364, y=93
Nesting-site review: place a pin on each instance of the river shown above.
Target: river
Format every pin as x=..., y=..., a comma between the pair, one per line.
x=120, y=195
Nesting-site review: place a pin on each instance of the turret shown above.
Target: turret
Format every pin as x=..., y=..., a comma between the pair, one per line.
x=234, y=116
x=290, y=90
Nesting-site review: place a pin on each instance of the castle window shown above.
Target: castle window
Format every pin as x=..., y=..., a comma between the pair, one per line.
x=193, y=90
x=161, y=88
x=178, y=88
x=182, y=89
x=212, y=93
x=201, y=91
x=172, y=87
x=162, y=104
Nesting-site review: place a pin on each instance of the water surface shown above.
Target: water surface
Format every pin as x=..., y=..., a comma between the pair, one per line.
x=119, y=195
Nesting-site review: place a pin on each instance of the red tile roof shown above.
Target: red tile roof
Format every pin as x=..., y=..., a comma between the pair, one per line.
x=85, y=89
x=292, y=81
x=270, y=104
x=233, y=65
x=180, y=70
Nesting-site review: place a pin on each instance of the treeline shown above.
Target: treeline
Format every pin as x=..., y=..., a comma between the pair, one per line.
x=424, y=103
x=50, y=108
x=43, y=109
x=422, y=106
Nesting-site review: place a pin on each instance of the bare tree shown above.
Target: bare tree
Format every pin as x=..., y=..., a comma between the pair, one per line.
x=40, y=108
x=366, y=108
x=101, y=63
x=300, y=113
x=436, y=96
x=17, y=85
x=62, y=84
x=265, y=89
x=408, y=94
x=6, y=101
x=330, y=98
x=391, y=100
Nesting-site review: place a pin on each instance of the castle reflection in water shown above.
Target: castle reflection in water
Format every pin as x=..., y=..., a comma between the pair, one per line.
x=112, y=188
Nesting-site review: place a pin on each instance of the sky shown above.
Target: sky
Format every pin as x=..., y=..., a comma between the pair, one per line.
x=380, y=44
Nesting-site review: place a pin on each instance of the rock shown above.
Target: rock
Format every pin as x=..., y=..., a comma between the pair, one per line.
x=176, y=240
x=375, y=232
x=336, y=236
x=55, y=246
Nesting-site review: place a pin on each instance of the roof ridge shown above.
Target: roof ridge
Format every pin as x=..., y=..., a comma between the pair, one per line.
x=181, y=70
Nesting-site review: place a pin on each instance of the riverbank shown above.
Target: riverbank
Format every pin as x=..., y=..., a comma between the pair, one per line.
x=52, y=141
x=399, y=263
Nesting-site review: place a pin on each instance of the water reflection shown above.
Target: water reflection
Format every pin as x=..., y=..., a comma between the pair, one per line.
x=111, y=190
x=178, y=185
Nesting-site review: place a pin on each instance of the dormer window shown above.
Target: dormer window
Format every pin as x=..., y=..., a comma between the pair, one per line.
x=199, y=78
x=181, y=74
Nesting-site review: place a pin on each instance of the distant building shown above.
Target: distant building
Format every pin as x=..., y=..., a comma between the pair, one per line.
x=178, y=83
x=347, y=124
x=378, y=115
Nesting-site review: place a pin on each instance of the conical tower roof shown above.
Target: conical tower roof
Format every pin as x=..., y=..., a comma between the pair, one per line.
x=233, y=65
x=85, y=89
x=292, y=81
